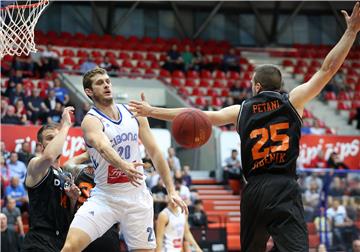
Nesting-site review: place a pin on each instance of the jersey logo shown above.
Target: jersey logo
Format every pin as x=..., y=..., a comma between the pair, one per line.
x=92, y=213
x=116, y=176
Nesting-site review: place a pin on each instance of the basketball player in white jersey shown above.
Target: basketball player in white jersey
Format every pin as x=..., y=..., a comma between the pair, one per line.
x=111, y=134
x=171, y=227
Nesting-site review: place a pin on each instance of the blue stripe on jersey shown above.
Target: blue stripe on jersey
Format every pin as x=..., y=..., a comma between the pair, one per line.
x=106, y=117
x=131, y=114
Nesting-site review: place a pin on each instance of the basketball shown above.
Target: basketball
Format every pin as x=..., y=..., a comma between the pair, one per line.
x=191, y=128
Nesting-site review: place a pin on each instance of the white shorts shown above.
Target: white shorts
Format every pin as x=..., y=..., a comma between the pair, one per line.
x=133, y=210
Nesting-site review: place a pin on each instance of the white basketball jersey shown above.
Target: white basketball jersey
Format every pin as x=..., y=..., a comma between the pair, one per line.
x=174, y=231
x=123, y=135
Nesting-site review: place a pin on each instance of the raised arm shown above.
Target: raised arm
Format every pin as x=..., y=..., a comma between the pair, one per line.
x=190, y=238
x=161, y=223
x=160, y=164
x=96, y=138
x=224, y=116
x=38, y=166
x=302, y=94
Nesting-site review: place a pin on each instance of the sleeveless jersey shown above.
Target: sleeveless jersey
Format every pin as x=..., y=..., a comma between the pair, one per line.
x=270, y=129
x=49, y=207
x=123, y=135
x=174, y=231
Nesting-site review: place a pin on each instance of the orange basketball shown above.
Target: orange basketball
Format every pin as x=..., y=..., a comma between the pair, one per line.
x=191, y=128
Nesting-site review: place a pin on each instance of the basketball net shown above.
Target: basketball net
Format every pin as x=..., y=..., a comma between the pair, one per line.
x=17, y=24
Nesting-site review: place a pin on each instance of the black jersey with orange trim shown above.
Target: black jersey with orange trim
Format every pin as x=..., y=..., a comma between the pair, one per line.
x=270, y=129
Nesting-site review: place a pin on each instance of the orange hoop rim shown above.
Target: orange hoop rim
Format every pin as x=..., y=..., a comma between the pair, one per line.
x=34, y=5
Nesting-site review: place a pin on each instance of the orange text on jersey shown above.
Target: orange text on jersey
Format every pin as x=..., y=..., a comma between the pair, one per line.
x=265, y=106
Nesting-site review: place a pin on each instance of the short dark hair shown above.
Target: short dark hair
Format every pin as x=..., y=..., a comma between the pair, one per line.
x=45, y=127
x=269, y=76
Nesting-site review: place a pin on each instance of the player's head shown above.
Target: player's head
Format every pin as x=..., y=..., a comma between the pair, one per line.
x=97, y=86
x=46, y=133
x=266, y=78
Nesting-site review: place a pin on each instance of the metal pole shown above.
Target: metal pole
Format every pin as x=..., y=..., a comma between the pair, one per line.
x=179, y=20
x=208, y=19
x=289, y=20
x=124, y=17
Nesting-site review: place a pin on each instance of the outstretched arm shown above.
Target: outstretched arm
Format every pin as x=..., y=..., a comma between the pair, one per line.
x=190, y=238
x=38, y=166
x=302, y=94
x=95, y=137
x=224, y=116
x=161, y=165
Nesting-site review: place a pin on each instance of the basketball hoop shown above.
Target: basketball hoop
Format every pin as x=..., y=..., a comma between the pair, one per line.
x=17, y=24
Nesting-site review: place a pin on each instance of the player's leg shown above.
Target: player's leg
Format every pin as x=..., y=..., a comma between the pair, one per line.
x=91, y=221
x=137, y=223
x=288, y=227
x=253, y=231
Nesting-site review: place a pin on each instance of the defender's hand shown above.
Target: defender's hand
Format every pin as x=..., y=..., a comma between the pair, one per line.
x=353, y=22
x=175, y=198
x=73, y=192
x=66, y=116
x=140, y=108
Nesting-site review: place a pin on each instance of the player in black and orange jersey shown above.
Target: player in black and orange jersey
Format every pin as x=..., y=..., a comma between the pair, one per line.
x=269, y=127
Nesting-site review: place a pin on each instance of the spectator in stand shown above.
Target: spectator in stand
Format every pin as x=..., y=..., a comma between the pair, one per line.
x=316, y=129
x=198, y=218
x=355, y=189
x=178, y=174
x=13, y=216
x=319, y=161
x=183, y=191
x=314, y=177
x=235, y=91
x=231, y=61
x=25, y=153
x=4, y=106
x=342, y=224
x=174, y=60
x=54, y=116
x=186, y=175
x=38, y=66
x=107, y=65
x=199, y=59
x=159, y=195
x=81, y=112
x=20, y=111
x=4, y=176
x=4, y=152
x=324, y=226
x=16, y=77
x=36, y=107
x=311, y=201
x=232, y=166
x=17, y=191
x=50, y=59
x=356, y=245
x=187, y=58
x=11, y=117
x=9, y=239
x=61, y=93
x=51, y=100
x=335, y=163
x=173, y=160
x=17, y=168
x=337, y=188
x=87, y=65
x=17, y=93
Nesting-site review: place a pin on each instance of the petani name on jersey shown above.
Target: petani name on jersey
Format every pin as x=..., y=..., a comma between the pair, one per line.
x=265, y=106
x=276, y=157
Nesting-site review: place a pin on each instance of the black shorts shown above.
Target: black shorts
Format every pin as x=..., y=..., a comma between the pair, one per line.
x=271, y=205
x=43, y=241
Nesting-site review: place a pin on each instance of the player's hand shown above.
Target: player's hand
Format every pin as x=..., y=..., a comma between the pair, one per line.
x=175, y=198
x=66, y=116
x=140, y=108
x=353, y=21
x=73, y=192
x=134, y=175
